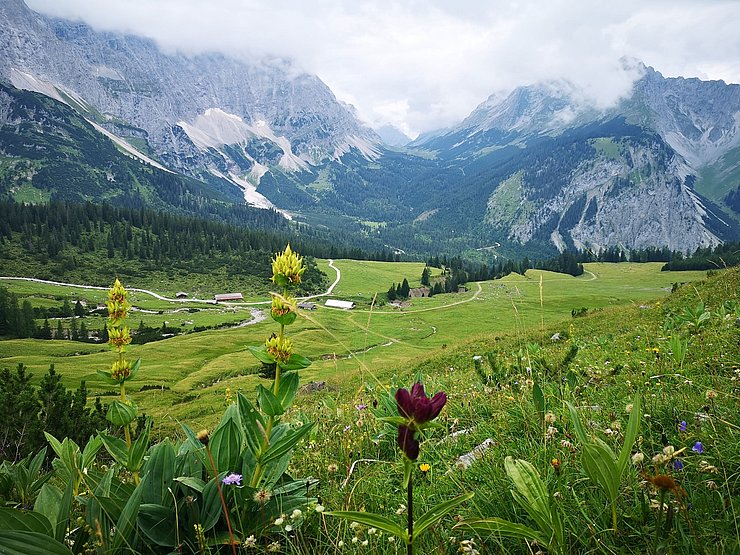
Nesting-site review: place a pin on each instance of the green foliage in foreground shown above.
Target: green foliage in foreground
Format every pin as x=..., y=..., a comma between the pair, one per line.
x=653, y=387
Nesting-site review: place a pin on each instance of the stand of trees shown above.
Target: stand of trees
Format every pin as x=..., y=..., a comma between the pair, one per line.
x=27, y=411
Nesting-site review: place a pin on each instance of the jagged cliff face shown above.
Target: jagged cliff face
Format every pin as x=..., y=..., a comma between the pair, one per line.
x=540, y=167
x=168, y=99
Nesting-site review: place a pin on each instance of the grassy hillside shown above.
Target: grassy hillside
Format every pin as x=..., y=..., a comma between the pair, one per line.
x=359, y=344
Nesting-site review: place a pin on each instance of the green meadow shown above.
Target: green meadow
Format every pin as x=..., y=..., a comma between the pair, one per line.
x=194, y=370
x=613, y=431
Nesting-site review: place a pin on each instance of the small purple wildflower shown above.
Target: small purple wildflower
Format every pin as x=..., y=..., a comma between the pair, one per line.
x=698, y=447
x=232, y=480
x=677, y=465
x=682, y=426
x=361, y=406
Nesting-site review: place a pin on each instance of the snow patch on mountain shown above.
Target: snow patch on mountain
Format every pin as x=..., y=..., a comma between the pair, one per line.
x=215, y=128
x=27, y=82
x=368, y=149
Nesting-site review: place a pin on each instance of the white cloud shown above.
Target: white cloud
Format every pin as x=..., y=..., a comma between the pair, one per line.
x=426, y=64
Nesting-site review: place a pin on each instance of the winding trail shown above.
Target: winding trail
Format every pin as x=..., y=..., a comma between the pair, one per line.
x=169, y=299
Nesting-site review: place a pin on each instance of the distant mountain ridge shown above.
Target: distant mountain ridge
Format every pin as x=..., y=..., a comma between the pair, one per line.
x=135, y=91
x=537, y=170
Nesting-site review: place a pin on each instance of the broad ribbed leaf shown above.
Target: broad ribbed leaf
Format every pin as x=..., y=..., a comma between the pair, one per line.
x=134, y=370
x=262, y=355
x=252, y=424
x=633, y=428
x=295, y=362
x=285, y=444
x=120, y=414
x=13, y=519
x=47, y=503
x=599, y=465
x=159, y=471
x=65, y=507
x=577, y=425
x=531, y=493
x=371, y=519
x=127, y=521
x=225, y=445
x=194, y=483
x=435, y=514
x=30, y=543
x=116, y=447
x=158, y=523
x=139, y=448
x=288, y=389
x=211, y=509
x=267, y=401
x=501, y=527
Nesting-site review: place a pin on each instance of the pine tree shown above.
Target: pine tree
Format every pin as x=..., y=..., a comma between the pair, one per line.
x=425, y=276
x=404, y=289
x=60, y=331
x=46, y=330
x=79, y=309
x=392, y=295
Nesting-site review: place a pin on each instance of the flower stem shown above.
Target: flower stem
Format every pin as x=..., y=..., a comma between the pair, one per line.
x=410, y=506
x=223, y=501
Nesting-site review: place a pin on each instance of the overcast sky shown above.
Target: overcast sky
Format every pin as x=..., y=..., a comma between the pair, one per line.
x=425, y=64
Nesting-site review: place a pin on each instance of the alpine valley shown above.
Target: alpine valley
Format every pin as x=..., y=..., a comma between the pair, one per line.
x=95, y=116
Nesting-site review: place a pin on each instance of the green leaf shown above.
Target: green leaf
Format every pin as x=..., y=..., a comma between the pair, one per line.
x=633, y=428
x=371, y=519
x=194, y=483
x=127, y=521
x=395, y=420
x=295, y=362
x=91, y=449
x=139, y=448
x=159, y=472
x=13, y=519
x=225, y=445
x=116, y=448
x=530, y=492
x=65, y=507
x=267, y=401
x=288, y=389
x=539, y=402
x=158, y=523
x=286, y=319
x=106, y=377
x=253, y=424
x=577, y=425
x=501, y=527
x=211, y=508
x=47, y=503
x=261, y=354
x=598, y=462
x=285, y=444
x=435, y=514
x=121, y=414
x=134, y=370
x=30, y=543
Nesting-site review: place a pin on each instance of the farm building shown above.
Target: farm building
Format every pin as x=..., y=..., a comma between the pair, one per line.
x=181, y=295
x=229, y=297
x=335, y=303
x=307, y=306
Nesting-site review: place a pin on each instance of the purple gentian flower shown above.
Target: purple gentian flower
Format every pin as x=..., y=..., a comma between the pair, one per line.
x=232, y=480
x=682, y=426
x=417, y=407
x=677, y=465
x=361, y=406
x=698, y=447
x=408, y=443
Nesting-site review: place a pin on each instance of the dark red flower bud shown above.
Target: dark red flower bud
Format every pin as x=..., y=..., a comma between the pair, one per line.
x=407, y=443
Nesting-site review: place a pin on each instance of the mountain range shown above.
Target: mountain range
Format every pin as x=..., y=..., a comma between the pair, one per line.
x=536, y=171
